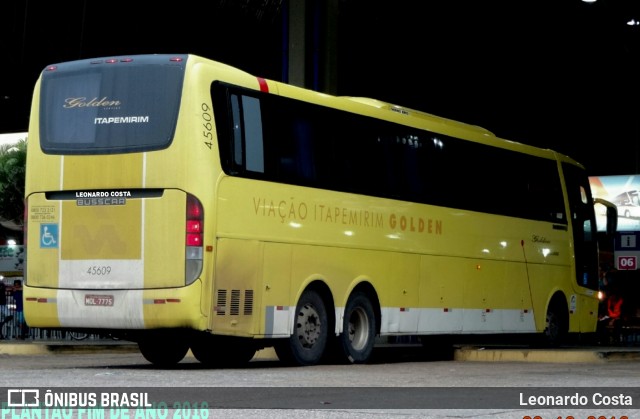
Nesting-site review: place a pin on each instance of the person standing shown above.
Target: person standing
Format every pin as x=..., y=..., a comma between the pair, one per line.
x=3, y=306
x=3, y=301
x=20, y=323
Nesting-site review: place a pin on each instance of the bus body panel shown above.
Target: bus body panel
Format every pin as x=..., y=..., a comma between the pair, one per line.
x=451, y=305
x=481, y=288
x=107, y=246
x=101, y=250
x=131, y=309
x=237, y=299
x=103, y=171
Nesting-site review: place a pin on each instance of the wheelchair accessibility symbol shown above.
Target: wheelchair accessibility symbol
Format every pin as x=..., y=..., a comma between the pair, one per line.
x=49, y=236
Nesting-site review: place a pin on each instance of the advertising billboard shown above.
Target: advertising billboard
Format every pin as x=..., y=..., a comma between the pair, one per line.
x=624, y=192
x=12, y=260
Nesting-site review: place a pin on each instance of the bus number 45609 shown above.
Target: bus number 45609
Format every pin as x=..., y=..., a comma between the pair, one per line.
x=99, y=270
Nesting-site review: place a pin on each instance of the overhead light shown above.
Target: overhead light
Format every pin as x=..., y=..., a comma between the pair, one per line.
x=589, y=1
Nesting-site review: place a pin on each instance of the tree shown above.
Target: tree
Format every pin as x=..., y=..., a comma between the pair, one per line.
x=12, y=175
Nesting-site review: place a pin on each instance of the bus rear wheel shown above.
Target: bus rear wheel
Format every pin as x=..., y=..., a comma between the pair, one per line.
x=310, y=332
x=359, y=329
x=163, y=350
x=222, y=351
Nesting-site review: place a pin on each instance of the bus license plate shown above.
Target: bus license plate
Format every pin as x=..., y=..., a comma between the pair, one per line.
x=98, y=300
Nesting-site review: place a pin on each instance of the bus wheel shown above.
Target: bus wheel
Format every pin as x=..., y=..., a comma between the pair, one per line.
x=222, y=351
x=555, y=329
x=359, y=329
x=437, y=347
x=310, y=332
x=164, y=351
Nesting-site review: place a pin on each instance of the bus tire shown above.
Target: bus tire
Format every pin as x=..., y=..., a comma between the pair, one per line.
x=437, y=347
x=164, y=352
x=359, y=329
x=556, y=329
x=307, y=344
x=222, y=351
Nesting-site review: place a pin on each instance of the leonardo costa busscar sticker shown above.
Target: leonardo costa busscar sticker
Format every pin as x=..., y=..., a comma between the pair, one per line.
x=89, y=198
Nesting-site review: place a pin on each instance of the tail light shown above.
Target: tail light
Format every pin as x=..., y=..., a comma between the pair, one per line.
x=194, y=234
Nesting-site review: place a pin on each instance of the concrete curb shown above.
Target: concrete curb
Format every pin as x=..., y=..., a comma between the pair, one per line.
x=563, y=355
x=48, y=348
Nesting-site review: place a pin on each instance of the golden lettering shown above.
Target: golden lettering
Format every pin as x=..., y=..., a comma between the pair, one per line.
x=82, y=102
x=415, y=224
x=292, y=210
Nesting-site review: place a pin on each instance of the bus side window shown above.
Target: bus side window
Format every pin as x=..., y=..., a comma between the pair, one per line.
x=303, y=139
x=254, y=146
x=238, y=159
x=246, y=134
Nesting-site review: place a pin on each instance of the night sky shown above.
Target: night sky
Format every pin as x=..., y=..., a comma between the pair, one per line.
x=560, y=74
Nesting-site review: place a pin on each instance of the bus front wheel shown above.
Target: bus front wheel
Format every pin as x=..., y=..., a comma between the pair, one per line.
x=359, y=329
x=555, y=330
x=310, y=332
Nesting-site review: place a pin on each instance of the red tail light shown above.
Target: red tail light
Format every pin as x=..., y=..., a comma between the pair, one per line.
x=194, y=233
x=194, y=208
x=194, y=239
x=194, y=221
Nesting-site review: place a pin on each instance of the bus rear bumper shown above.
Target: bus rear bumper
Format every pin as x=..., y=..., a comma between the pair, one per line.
x=114, y=309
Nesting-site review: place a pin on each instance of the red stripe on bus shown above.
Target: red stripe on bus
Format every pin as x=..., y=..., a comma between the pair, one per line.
x=264, y=87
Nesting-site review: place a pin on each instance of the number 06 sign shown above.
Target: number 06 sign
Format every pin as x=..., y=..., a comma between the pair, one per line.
x=627, y=262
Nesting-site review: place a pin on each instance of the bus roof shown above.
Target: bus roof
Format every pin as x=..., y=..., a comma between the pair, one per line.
x=415, y=113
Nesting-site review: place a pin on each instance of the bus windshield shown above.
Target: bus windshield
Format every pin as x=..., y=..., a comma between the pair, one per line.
x=104, y=107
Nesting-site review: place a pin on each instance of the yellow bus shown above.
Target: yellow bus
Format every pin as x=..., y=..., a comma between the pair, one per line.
x=181, y=203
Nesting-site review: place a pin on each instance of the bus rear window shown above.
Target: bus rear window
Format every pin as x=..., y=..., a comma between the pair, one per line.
x=96, y=107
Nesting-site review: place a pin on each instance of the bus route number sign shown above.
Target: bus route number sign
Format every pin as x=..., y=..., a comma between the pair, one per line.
x=98, y=300
x=628, y=263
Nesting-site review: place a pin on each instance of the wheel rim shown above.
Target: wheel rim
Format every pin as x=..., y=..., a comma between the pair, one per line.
x=358, y=329
x=309, y=327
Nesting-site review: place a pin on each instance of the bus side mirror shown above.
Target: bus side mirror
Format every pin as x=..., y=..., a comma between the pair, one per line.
x=612, y=220
x=612, y=215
